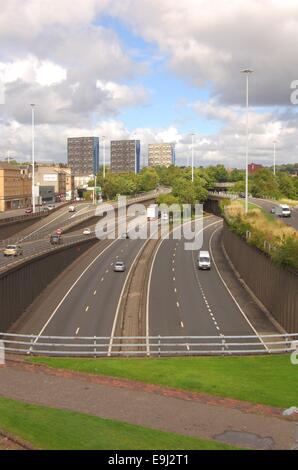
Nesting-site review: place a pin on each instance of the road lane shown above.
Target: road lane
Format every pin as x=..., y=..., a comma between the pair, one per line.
x=267, y=205
x=187, y=302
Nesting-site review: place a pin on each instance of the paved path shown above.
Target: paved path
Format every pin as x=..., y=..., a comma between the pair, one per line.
x=151, y=406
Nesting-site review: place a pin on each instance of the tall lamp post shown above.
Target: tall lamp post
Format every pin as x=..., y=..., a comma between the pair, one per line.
x=274, y=156
x=192, y=157
x=247, y=72
x=104, y=157
x=33, y=157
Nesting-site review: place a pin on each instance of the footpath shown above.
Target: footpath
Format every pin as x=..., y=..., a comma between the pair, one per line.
x=194, y=414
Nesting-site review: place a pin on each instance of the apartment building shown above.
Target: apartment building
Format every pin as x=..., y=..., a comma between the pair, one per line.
x=161, y=154
x=83, y=156
x=125, y=156
x=15, y=188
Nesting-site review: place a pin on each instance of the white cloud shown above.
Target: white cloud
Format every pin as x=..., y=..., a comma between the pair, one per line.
x=208, y=42
x=31, y=70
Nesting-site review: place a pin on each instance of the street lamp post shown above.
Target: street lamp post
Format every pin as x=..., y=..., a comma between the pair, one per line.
x=274, y=157
x=33, y=157
x=247, y=72
x=192, y=157
x=104, y=157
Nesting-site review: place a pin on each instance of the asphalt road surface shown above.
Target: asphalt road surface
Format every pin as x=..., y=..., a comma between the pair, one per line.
x=267, y=205
x=183, y=301
x=187, y=302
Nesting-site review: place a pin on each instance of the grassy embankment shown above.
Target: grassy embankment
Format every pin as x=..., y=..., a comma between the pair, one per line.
x=269, y=380
x=270, y=235
x=53, y=429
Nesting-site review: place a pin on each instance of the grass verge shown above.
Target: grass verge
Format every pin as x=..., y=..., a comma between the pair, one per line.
x=268, y=380
x=53, y=429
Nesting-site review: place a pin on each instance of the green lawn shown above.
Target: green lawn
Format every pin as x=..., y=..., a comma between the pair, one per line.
x=52, y=429
x=270, y=380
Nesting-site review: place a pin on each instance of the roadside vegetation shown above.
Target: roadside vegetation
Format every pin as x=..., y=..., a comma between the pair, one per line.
x=263, y=184
x=268, y=380
x=265, y=232
x=53, y=429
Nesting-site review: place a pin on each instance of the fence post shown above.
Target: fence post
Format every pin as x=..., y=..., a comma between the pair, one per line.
x=158, y=345
x=2, y=353
x=94, y=350
x=223, y=346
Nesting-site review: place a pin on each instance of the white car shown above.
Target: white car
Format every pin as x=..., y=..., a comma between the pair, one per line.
x=87, y=231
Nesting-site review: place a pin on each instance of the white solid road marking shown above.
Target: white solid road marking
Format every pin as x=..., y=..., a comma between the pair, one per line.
x=229, y=291
x=70, y=289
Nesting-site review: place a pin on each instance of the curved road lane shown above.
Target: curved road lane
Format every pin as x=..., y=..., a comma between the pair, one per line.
x=187, y=302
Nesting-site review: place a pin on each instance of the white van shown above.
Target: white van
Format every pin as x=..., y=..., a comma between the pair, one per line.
x=283, y=210
x=71, y=209
x=204, y=261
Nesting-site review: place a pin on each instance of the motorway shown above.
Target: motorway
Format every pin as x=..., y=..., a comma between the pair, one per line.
x=267, y=205
x=35, y=239
x=182, y=300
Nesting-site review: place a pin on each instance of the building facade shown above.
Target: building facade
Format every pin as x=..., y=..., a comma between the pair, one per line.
x=254, y=167
x=54, y=182
x=83, y=155
x=15, y=188
x=125, y=156
x=161, y=154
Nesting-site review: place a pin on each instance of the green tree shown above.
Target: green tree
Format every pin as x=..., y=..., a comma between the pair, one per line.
x=286, y=184
x=148, y=179
x=264, y=184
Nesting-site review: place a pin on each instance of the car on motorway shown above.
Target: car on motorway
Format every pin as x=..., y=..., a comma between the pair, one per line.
x=282, y=210
x=13, y=250
x=71, y=209
x=204, y=261
x=55, y=239
x=87, y=231
x=119, y=267
x=29, y=210
x=50, y=207
x=124, y=236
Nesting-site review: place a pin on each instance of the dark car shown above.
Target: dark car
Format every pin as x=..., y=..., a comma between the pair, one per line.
x=55, y=239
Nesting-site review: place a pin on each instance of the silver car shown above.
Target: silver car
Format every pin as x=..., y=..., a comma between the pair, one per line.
x=119, y=267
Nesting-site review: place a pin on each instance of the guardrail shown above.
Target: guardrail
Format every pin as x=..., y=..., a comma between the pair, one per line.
x=97, y=346
x=223, y=194
x=74, y=239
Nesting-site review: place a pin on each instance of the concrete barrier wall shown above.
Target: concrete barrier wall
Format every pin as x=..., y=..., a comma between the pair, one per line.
x=20, y=286
x=275, y=286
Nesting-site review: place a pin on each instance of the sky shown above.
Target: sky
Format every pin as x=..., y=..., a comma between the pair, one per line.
x=155, y=70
